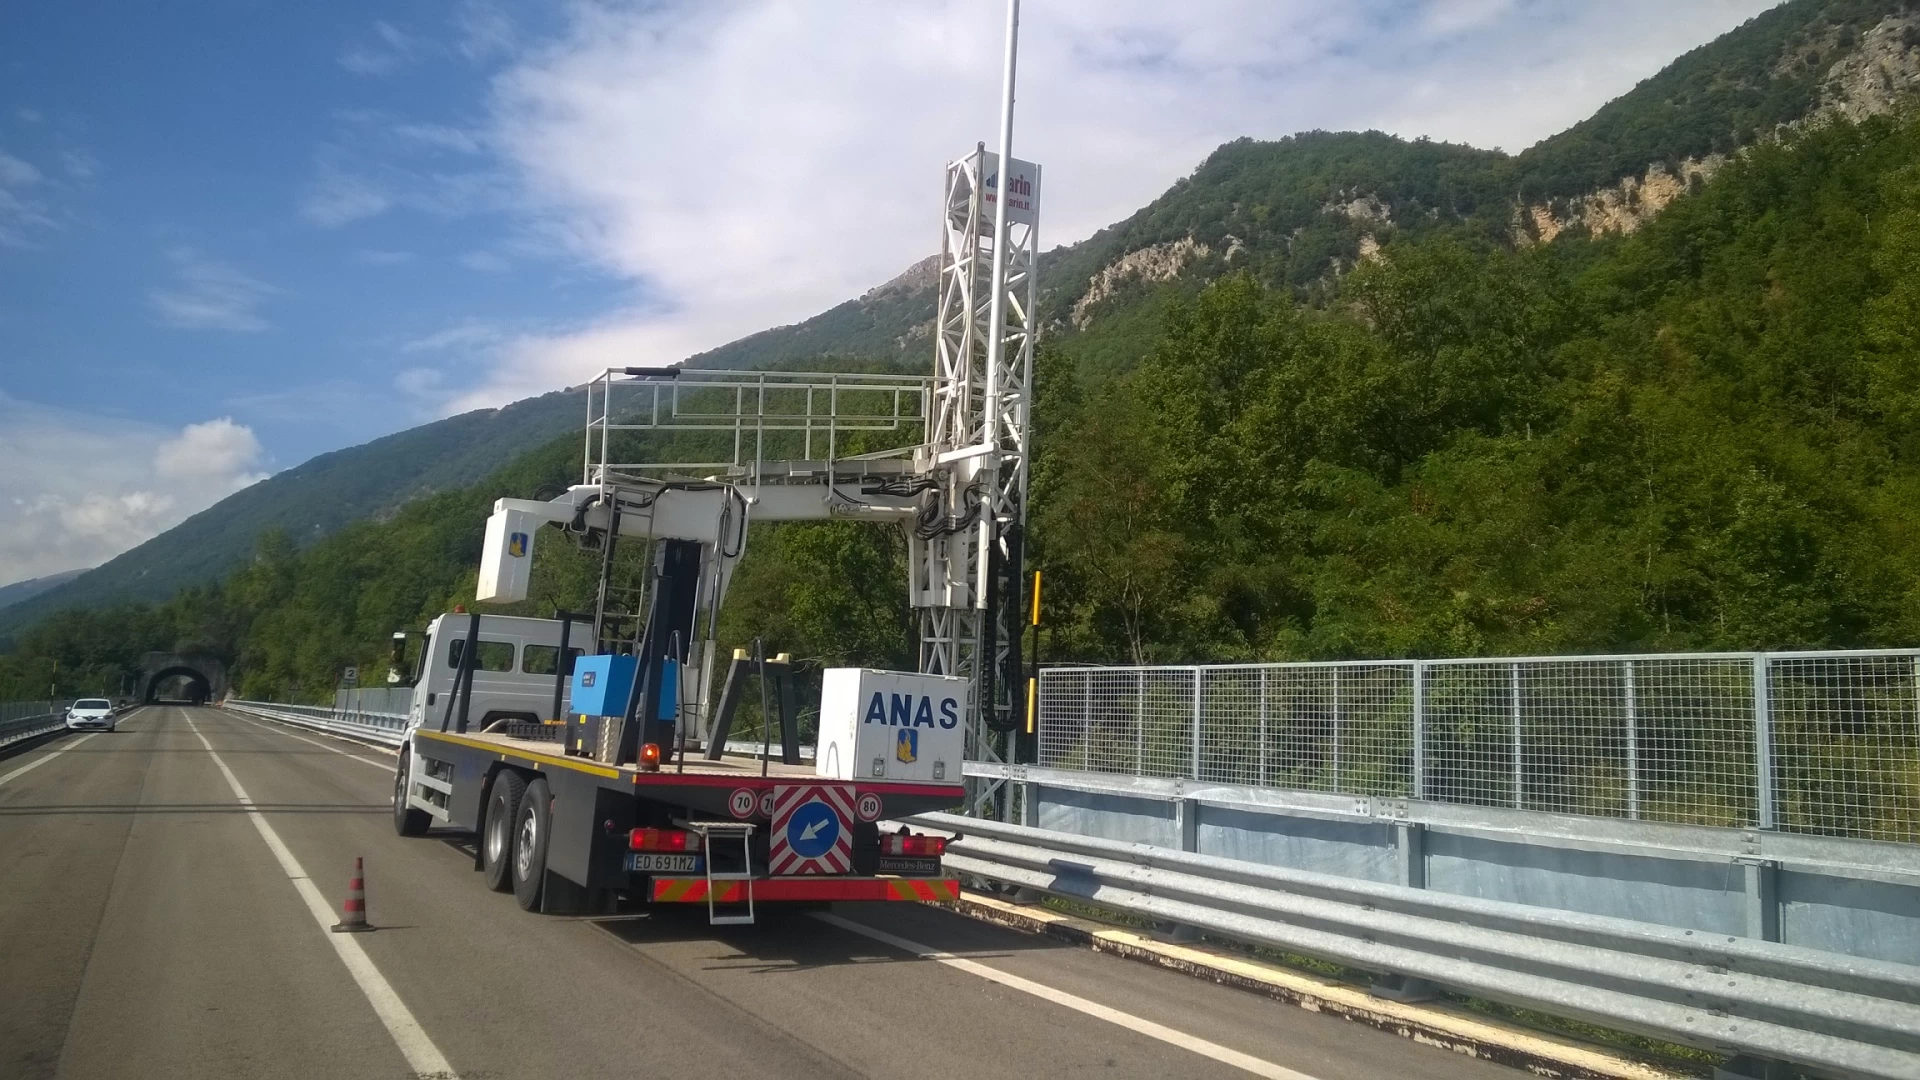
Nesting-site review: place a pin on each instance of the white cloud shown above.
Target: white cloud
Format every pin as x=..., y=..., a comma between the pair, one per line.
x=1454, y=16
x=421, y=383
x=80, y=488
x=212, y=448
x=679, y=146
x=338, y=198
x=29, y=116
x=440, y=137
x=377, y=257
x=373, y=166
x=485, y=261
x=388, y=51
x=16, y=173
x=79, y=165
x=467, y=335
x=23, y=209
x=483, y=31
x=207, y=294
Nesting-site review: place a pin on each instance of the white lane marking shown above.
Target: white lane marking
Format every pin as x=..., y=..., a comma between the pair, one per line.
x=408, y=1035
x=1222, y=1054
x=37, y=762
x=381, y=765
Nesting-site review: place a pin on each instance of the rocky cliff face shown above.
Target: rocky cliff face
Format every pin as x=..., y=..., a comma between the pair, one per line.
x=1621, y=208
x=1877, y=74
x=1157, y=262
x=1881, y=74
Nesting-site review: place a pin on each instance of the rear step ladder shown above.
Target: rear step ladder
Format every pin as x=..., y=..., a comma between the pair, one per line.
x=726, y=830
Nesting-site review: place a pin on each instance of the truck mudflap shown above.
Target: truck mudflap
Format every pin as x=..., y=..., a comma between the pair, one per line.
x=773, y=890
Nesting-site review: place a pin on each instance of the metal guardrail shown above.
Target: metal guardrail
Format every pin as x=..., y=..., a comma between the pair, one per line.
x=30, y=725
x=23, y=710
x=1820, y=743
x=384, y=729
x=1840, y=1016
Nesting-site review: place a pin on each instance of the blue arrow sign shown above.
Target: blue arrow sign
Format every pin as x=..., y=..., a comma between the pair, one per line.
x=812, y=829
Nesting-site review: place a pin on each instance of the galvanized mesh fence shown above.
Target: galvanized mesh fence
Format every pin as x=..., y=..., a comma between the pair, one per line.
x=373, y=701
x=1825, y=743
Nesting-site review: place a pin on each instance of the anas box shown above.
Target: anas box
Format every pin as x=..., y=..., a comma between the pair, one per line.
x=890, y=725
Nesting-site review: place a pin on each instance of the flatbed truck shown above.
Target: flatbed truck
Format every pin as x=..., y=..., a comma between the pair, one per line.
x=580, y=795
x=563, y=831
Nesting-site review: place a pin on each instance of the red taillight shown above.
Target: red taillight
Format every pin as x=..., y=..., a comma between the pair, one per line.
x=658, y=840
x=930, y=847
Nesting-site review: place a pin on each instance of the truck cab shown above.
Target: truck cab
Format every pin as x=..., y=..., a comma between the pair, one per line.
x=517, y=665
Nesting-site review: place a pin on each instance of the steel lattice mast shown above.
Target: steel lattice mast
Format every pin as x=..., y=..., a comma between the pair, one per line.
x=965, y=556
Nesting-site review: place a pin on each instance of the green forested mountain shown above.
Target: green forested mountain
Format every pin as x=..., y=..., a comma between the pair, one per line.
x=1697, y=436
x=32, y=587
x=1332, y=396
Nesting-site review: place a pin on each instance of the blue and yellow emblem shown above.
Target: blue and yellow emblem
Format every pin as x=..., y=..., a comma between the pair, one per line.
x=906, y=746
x=517, y=545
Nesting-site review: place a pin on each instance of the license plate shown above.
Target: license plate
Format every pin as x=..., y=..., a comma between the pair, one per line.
x=910, y=867
x=649, y=863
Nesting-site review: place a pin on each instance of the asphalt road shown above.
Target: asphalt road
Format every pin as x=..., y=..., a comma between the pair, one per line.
x=152, y=924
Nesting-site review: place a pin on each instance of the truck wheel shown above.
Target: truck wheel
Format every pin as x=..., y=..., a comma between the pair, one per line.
x=407, y=821
x=530, y=845
x=496, y=834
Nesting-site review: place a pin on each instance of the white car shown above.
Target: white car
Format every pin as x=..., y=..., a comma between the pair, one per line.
x=90, y=713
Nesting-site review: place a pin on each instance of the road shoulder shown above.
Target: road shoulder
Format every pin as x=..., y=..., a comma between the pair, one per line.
x=1431, y=1023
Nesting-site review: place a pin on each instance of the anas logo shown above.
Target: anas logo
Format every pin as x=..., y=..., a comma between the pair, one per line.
x=906, y=746
x=911, y=711
x=517, y=545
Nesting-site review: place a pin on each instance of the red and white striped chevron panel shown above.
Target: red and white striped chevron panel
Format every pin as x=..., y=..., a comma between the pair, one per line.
x=812, y=830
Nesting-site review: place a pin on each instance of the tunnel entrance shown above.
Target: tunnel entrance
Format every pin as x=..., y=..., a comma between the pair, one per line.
x=178, y=686
x=193, y=678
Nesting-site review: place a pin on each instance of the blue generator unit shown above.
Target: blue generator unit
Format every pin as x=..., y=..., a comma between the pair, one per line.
x=602, y=684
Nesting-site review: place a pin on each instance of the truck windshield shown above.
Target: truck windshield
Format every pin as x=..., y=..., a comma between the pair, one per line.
x=490, y=656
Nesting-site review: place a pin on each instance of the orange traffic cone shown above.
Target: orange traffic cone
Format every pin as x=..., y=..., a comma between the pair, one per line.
x=353, y=914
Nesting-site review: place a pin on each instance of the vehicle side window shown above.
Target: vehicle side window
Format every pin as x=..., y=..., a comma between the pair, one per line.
x=538, y=659
x=490, y=656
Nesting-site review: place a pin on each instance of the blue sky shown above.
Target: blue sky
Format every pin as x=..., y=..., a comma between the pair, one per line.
x=206, y=252
x=237, y=233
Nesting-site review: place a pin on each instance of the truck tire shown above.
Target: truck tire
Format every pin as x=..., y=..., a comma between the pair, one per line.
x=407, y=821
x=530, y=845
x=497, y=831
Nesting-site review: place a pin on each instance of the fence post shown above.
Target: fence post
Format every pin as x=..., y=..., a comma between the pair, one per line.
x=1196, y=723
x=1086, y=719
x=1519, y=801
x=1419, y=729
x=1261, y=776
x=1336, y=730
x=1633, y=748
x=1139, y=723
x=1763, y=743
